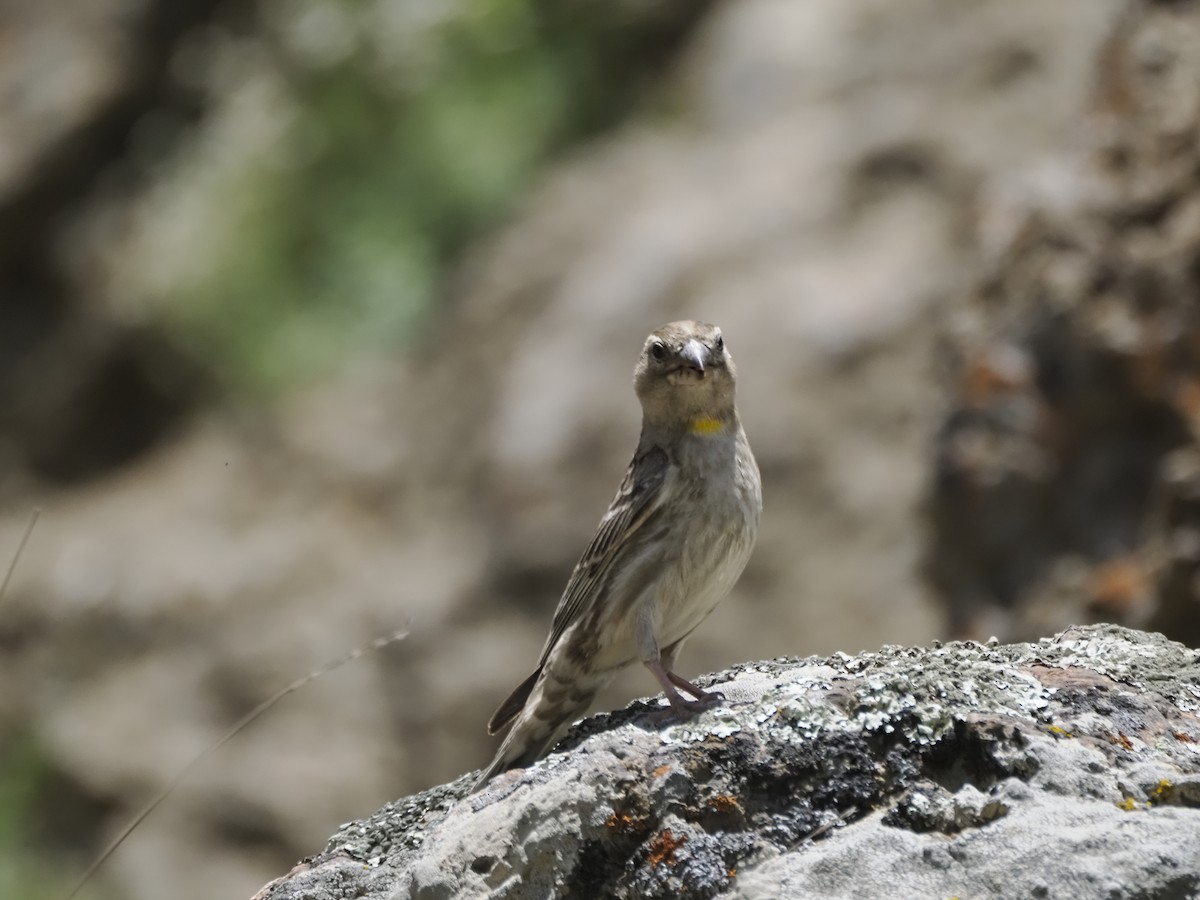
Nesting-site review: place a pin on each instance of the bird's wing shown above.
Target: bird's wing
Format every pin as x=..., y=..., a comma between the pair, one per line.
x=638, y=499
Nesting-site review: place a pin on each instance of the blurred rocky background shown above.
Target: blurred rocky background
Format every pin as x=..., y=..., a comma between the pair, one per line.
x=317, y=318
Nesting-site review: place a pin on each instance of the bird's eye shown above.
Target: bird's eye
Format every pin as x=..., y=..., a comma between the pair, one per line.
x=719, y=343
x=658, y=350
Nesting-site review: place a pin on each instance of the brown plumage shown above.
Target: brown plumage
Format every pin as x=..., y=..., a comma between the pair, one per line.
x=673, y=542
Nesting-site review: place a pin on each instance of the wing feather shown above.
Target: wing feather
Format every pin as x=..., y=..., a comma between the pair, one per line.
x=637, y=499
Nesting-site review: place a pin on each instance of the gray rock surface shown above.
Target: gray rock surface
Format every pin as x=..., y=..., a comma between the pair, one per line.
x=1067, y=464
x=1064, y=768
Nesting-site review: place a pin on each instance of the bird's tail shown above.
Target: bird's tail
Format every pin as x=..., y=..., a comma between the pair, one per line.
x=551, y=707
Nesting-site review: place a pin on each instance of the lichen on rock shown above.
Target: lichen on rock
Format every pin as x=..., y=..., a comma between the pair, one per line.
x=902, y=772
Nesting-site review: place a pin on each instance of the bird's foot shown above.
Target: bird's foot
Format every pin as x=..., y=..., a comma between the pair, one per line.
x=705, y=702
x=704, y=699
x=681, y=707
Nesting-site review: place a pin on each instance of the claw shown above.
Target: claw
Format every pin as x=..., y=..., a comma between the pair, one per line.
x=699, y=706
x=680, y=706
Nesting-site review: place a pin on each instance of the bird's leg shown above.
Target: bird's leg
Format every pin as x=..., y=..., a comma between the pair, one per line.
x=668, y=657
x=660, y=663
x=670, y=681
x=708, y=698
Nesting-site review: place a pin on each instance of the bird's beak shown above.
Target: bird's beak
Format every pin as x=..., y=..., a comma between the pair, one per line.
x=693, y=352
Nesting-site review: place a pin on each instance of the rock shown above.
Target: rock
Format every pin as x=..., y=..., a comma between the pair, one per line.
x=82, y=390
x=907, y=772
x=1062, y=489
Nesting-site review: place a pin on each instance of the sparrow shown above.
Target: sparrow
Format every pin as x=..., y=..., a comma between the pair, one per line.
x=675, y=539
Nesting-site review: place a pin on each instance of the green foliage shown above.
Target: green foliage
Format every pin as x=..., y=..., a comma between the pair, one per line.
x=401, y=163
x=24, y=873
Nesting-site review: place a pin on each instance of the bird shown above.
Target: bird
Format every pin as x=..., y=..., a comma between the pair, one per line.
x=673, y=542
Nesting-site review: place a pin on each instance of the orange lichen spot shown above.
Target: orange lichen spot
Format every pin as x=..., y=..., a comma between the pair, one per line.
x=663, y=847
x=1184, y=737
x=621, y=821
x=1058, y=731
x=662, y=770
x=732, y=873
x=1122, y=740
x=723, y=803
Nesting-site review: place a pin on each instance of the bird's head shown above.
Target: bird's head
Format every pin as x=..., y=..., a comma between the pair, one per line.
x=685, y=378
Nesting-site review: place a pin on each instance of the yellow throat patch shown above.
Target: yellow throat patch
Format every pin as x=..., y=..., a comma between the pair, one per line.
x=706, y=425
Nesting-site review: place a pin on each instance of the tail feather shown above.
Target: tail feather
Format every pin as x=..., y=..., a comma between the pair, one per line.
x=534, y=732
x=514, y=704
x=518, y=751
